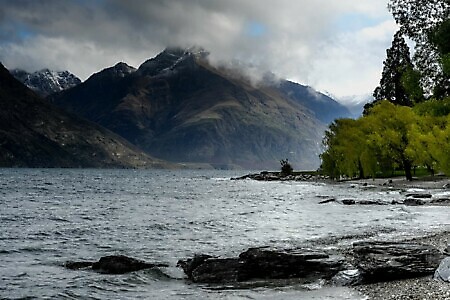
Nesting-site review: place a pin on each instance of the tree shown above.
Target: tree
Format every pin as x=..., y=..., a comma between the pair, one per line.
x=396, y=67
x=286, y=168
x=347, y=151
x=390, y=126
x=440, y=38
x=418, y=19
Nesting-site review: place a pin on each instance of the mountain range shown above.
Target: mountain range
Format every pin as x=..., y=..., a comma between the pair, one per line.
x=179, y=107
x=34, y=133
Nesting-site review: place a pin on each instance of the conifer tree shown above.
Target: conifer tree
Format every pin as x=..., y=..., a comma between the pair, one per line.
x=397, y=64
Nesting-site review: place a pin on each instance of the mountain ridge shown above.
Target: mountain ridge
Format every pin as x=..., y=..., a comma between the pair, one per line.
x=179, y=107
x=37, y=134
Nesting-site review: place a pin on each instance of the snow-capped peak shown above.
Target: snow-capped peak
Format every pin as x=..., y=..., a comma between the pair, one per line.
x=46, y=82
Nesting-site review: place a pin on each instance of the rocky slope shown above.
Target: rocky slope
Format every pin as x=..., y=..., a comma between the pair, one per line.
x=46, y=82
x=34, y=133
x=179, y=107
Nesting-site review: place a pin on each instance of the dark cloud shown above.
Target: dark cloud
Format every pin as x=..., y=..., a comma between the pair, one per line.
x=296, y=39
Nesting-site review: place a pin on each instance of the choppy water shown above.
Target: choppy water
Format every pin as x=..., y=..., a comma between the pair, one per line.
x=50, y=216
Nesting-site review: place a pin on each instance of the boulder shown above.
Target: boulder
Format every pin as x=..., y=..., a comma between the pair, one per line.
x=414, y=202
x=262, y=263
x=382, y=261
x=77, y=265
x=443, y=271
x=113, y=264
x=440, y=201
x=419, y=196
x=269, y=263
x=348, y=201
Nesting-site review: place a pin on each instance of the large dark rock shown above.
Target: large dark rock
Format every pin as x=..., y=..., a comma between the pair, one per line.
x=443, y=271
x=270, y=263
x=383, y=261
x=419, y=195
x=113, y=264
x=262, y=263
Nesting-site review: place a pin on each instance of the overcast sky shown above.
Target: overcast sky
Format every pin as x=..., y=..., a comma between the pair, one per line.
x=335, y=46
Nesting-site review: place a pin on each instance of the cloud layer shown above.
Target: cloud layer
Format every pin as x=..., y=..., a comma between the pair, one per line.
x=336, y=46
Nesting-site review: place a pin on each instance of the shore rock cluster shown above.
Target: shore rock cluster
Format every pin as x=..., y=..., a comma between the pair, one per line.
x=367, y=262
x=277, y=176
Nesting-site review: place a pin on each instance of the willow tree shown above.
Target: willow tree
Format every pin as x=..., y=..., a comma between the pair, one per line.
x=390, y=127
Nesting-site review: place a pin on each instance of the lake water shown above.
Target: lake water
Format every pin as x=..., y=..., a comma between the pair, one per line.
x=50, y=216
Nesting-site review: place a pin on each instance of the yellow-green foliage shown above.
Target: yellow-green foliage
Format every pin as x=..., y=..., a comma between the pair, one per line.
x=388, y=138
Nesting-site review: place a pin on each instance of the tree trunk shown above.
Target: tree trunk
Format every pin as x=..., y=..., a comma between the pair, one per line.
x=361, y=170
x=407, y=167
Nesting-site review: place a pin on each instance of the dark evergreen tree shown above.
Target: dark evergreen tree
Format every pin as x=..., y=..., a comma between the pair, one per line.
x=440, y=38
x=418, y=19
x=397, y=64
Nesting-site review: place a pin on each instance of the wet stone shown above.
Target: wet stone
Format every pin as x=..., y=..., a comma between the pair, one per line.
x=383, y=261
x=443, y=271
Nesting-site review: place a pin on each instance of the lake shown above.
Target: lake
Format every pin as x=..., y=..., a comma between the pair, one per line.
x=50, y=216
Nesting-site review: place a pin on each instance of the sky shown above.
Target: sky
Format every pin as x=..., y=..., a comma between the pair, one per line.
x=335, y=46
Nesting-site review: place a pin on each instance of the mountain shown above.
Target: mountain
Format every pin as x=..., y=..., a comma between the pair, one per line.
x=34, y=133
x=46, y=82
x=324, y=107
x=355, y=104
x=179, y=107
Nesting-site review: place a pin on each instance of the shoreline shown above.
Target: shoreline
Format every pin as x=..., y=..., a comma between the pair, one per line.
x=423, y=288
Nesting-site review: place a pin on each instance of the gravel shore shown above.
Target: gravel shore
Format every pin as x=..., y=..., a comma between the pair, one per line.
x=423, y=288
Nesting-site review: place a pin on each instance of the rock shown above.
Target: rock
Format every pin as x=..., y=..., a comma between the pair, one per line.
x=394, y=202
x=77, y=265
x=446, y=186
x=414, y=202
x=362, y=202
x=219, y=270
x=327, y=201
x=370, y=202
x=419, y=196
x=387, y=182
x=443, y=271
x=114, y=264
x=440, y=201
x=347, y=278
x=348, y=202
x=268, y=263
x=447, y=250
x=119, y=264
x=262, y=263
x=383, y=261
x=190, y=264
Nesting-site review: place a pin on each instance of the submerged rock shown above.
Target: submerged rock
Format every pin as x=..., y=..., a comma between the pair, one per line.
x=113, y=264
x=383, y=261
x=443, y=271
